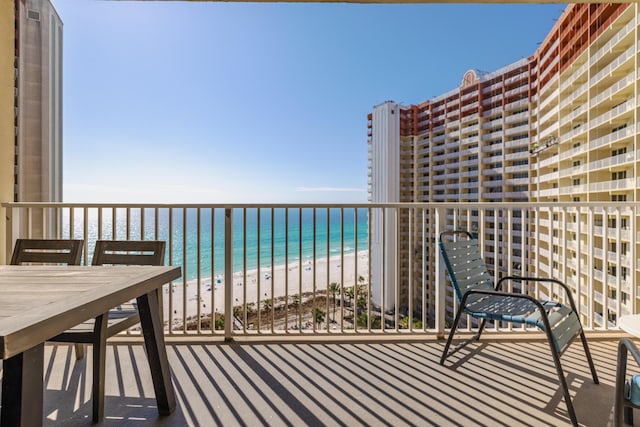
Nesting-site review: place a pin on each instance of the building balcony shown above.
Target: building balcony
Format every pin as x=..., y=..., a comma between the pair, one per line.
x=274, y=364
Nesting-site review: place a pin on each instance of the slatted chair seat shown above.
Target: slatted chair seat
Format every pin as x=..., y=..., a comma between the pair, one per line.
x=479, y=298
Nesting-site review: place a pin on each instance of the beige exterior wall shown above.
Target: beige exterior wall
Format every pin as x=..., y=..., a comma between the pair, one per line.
x=7, y=36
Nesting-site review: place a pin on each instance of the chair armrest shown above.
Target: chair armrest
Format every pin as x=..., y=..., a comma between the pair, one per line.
x=541, y=279
x=531, y=279
x=453, y=233
x=626, y=345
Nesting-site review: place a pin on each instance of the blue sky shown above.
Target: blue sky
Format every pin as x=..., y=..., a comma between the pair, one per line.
x=258, y=102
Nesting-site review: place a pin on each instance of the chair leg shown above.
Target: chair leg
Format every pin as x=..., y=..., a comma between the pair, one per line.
x=99, y=358
x=451, y=334
x=562, y=379
x=628, y=415
x=481, y=328
x=79, y=348
x=589, y=359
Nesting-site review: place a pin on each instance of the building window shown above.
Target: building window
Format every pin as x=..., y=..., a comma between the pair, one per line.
x=33, y=15
x=618, y=175
x=618, y=128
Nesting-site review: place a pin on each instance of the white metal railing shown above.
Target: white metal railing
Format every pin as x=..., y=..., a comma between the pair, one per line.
x=576, y=93
x=573, y=77
x=579, y=149
x=612, y=42
x=617, y=86
x=627, y=105
x=622, y=58
x=340, y=269
x=550, y=51
x=575, y=113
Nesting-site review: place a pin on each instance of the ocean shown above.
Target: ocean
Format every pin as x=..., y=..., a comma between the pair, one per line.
x=191, y=231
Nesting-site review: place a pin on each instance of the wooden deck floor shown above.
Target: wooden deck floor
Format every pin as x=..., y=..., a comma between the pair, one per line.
x=507, y=383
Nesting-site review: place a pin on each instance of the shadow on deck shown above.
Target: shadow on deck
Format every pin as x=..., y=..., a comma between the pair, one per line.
x=331, y=384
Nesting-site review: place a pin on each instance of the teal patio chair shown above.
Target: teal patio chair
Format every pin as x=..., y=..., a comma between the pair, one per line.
x=479, y=298
x=627, y=390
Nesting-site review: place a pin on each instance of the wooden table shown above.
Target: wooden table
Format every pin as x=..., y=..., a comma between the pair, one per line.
x=39, y=302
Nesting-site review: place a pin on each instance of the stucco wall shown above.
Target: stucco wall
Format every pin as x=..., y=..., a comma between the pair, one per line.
x=7, y=34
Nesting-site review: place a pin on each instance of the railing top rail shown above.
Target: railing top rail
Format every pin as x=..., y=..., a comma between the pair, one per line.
x=433, y=205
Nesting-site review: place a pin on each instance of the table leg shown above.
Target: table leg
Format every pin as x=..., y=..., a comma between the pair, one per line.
x=99, y=361
x=23, y=388
x=156, y=352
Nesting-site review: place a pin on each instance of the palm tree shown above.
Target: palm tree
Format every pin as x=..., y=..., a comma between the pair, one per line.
x=360, y=290
x=248, y=308
x=349, y=292
x=237, y=310
x=295, y=299
x=334, y=288
x=318, y=315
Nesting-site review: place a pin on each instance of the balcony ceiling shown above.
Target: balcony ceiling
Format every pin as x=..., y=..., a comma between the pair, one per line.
x=398, y=1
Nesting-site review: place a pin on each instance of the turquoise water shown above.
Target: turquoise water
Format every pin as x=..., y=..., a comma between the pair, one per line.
x=335, y=231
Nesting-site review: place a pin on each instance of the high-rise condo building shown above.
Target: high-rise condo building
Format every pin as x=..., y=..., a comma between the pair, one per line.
x=38, y=102
x=560, y=125
x=38, y=107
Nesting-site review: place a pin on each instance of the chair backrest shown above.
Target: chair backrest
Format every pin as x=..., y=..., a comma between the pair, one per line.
x=461, y=254
x=47, y=251
x=129, y=252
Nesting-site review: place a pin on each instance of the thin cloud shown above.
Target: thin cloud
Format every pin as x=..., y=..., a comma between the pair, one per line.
x=329, y=189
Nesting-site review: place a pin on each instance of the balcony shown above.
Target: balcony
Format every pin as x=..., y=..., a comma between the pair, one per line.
x=384, y=382
x=275, y=364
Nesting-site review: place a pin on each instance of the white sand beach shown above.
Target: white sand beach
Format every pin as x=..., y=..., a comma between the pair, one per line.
x=267, y=283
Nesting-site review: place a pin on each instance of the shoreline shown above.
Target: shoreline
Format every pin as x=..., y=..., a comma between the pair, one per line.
x=270, y=282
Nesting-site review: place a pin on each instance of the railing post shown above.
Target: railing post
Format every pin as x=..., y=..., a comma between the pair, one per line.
x=8, y=233
x=440, y=216
x=228, y=274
